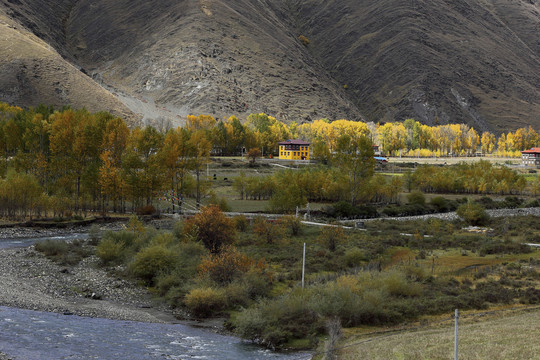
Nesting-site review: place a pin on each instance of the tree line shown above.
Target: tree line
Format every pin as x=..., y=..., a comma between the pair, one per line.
x=74, y=160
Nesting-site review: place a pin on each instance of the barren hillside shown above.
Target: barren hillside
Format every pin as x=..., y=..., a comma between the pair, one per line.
x=442, y=61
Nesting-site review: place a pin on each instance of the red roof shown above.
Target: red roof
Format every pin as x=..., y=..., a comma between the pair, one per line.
x=294, y=142
x=532, y=151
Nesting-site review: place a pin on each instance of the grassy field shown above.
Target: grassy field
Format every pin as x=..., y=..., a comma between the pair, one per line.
x=498, y=337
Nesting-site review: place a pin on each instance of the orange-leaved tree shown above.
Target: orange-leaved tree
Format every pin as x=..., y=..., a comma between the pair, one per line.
x=212, y=228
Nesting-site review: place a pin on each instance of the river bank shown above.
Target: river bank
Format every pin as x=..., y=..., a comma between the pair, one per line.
x=29, y=280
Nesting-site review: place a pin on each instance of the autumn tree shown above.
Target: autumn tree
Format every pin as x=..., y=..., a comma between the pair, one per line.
x=253, y=155
x=201, y=156
x=212, y=228
x=176, y=157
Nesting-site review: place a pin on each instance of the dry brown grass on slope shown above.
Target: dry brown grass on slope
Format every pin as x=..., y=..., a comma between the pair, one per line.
x=509, y=337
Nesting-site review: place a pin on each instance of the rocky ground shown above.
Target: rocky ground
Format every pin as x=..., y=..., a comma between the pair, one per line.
x=31, y=281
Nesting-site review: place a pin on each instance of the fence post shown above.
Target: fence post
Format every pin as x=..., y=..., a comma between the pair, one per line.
x=456, y=335
x=303, y=265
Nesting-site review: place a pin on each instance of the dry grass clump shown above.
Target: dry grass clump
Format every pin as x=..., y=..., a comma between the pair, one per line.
x=510, y=337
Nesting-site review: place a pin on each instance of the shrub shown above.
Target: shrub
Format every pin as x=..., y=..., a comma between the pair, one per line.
x=52, y=247
x=304, y=40
x=257, y=282
x=512, y=202
x=204, y=302
x=146, y=210
x=151, y=261
x=220, y=202
x=355, y=257
x=472, y=213
x=94, y=234
x=62, y=252
x=416, y=198
x=293, y=224
x=177, y=230
x=273, y=322
x=237, y=295
x=331, y=236
x=212, y=227
x=224, y=267
x=109, y=250
x=439, y=203
x=344, y=209
x=241, y=223
x=267, y=230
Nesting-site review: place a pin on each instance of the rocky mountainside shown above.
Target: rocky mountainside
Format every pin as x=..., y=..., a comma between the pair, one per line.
x=438, y=61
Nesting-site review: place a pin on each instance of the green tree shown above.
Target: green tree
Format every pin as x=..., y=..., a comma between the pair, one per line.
x=354, y=157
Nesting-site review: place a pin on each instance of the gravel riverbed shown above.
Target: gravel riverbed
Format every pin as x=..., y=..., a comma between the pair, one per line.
x=29, y=280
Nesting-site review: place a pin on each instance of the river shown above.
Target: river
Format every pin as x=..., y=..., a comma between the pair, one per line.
x=35, y=335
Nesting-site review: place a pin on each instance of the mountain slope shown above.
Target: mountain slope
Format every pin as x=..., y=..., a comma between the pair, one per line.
x=438, y=61
x=32, y=73
x=446, y=60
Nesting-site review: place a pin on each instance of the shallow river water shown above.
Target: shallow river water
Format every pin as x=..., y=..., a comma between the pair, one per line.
x=23, y=242
x=32, y=335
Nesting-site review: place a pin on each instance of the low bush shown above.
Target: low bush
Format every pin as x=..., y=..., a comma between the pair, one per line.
x=330, y=236
x=146, y=210
x=115, y=247
x=212, y=228
x=151, y=261
x=440, y=204
x=355, y=257
x=269, y=231
x=109, y=251
x=94, y=234
x=241, y=223
x=228, y=265
x=472, y=213
x=416, y=197
x=62, y=252
x=344, y=209
x=204, y=302
x=293, y=225
x=52, y=247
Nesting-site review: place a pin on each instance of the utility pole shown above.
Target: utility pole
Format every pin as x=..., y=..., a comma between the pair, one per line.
x=456, y=335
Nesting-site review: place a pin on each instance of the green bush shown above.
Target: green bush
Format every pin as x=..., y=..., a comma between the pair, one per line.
x=151, y=261
x=177, y=231
x=241, y=223
x=355, y=257
x=473, y=214
x=440, y=204
x=273, y=322
x=344, y=209
x=109, y=250
x=416, y=198
x=94, y=234
x=237, y=295
x=52, y=247
x=204, y=302
x=62, y=252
